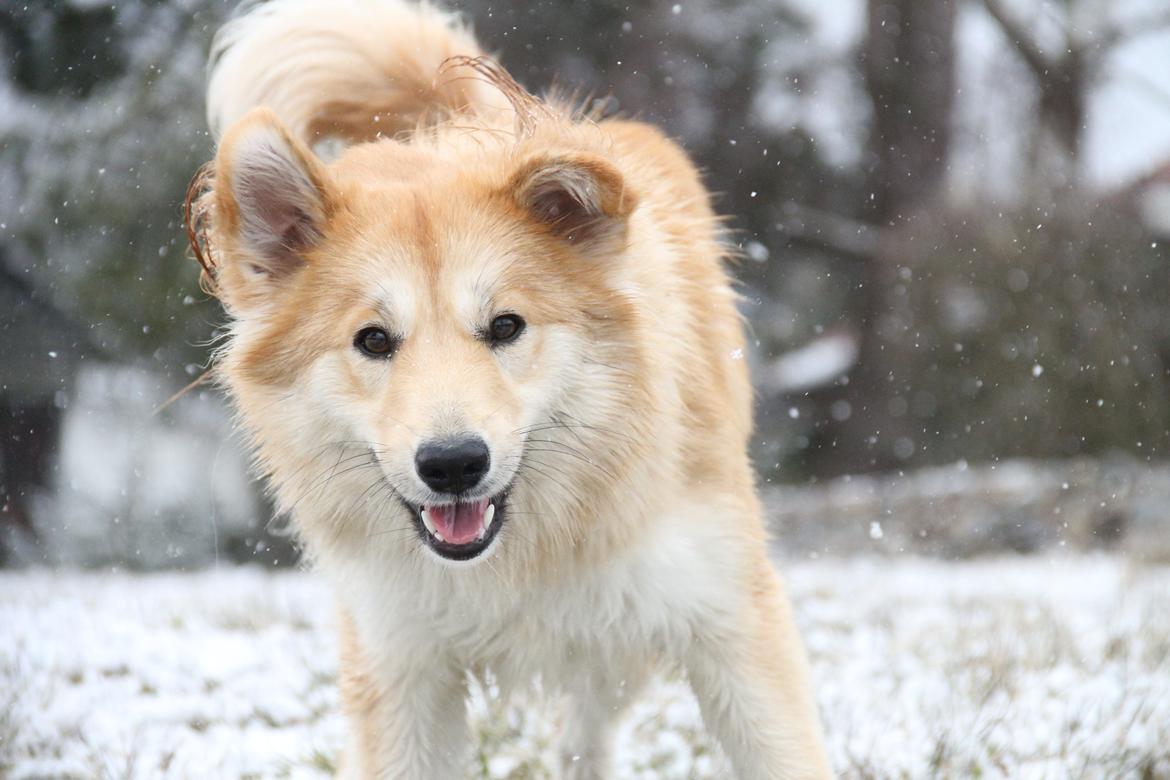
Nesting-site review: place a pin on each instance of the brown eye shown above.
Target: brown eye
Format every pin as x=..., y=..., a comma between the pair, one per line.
x=375, y=342
x=505, y=328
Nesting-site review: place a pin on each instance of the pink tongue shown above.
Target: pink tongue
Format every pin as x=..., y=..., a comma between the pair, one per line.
x=458, y=523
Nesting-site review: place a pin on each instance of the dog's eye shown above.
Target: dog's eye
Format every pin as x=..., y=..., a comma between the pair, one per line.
x=505, y=328
x=375, y=342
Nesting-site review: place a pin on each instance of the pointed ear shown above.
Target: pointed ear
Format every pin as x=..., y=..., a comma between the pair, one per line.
x=272, y=198
x=580, y=197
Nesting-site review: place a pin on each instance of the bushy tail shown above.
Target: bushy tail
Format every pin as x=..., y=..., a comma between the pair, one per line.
x=354, y=69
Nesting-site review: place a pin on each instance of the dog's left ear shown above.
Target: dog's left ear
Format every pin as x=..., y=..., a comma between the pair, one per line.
x=580, y=197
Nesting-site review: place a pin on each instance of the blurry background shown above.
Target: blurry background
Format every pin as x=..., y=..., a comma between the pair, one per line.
x=953, y=215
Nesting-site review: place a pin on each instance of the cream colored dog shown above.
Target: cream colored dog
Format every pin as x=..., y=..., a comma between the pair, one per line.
x=491, y=364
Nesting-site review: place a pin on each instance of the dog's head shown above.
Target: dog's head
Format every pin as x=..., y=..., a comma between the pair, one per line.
x=429, y=340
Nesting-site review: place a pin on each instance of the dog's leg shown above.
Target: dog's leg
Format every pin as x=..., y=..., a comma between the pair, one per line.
x=750, y=676
x=408, y=717
x=595, y=701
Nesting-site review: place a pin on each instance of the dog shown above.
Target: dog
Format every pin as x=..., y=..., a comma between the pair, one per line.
x=489, y=359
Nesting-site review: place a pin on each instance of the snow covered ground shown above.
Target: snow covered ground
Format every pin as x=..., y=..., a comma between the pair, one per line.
x=1025, y=667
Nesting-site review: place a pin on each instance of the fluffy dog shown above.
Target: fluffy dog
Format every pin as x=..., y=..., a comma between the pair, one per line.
x=490, y=361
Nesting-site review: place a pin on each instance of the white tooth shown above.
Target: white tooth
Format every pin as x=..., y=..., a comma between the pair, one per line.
x=487, y=519
x=426, y=518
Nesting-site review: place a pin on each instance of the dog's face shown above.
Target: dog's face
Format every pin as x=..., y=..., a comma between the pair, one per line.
x=437, y=316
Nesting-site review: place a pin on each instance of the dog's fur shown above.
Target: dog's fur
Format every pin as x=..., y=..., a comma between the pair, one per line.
x=617, y=422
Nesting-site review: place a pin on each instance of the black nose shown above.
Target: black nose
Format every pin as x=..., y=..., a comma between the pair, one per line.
x=452, y=465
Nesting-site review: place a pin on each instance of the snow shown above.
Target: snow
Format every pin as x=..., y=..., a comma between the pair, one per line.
x=158, y=489
x=820, y=362
x=1024, y=667
x=963, y=510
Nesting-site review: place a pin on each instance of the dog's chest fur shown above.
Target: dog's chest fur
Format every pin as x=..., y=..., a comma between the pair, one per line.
x=613, y=614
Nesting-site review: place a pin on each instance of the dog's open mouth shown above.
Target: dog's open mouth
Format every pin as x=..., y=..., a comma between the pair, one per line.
x=461, y=530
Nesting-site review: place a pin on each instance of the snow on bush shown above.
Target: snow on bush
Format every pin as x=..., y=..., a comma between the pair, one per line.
x=964, y=511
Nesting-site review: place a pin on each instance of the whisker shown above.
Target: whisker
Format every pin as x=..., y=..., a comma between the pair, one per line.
x=557, y=469
x=323, y=481
x=583, y=458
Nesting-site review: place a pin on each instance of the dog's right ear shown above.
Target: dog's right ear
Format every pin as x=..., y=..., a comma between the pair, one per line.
x=271, y=200
x=580, y=197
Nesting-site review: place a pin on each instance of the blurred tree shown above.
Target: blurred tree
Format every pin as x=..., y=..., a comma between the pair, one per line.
x=908, y=61
x=991, y=332
x=41, y=348
x=1006, y=338
x=61, y=49
x=102, y=128
x=1066, y=67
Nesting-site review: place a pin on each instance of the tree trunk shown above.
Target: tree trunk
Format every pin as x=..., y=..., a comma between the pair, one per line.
x=908, y=59
x=909, y=63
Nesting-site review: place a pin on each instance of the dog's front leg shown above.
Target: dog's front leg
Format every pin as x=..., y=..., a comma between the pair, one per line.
x=749, y=673
x=597, y=696
x=407, y=713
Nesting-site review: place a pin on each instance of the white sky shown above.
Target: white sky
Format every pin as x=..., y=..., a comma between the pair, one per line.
x=1129, y=119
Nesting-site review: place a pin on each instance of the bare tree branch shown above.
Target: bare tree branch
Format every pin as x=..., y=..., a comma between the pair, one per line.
x=834, y=233
x=1041, y=64
x=1124, y=31
x=1037, y=61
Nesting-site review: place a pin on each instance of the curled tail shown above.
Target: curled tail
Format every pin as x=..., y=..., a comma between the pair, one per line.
x=354, y=69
